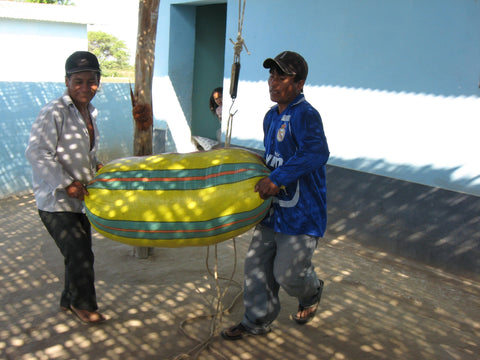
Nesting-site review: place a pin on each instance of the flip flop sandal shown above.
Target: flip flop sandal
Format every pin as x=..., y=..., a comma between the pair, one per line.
x=307, y=318
x=86, y=316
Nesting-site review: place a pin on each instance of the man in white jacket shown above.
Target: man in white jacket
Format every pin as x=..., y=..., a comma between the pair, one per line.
x=62, y=152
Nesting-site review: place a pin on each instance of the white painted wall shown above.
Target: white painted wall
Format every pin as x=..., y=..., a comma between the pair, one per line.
x=428, y=139
x=34, y=51
x=36, y=40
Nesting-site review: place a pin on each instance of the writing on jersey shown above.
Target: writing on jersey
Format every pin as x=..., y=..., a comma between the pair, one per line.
x=274, y=160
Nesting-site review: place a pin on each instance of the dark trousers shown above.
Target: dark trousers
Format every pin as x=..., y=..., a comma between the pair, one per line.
x=73, y=235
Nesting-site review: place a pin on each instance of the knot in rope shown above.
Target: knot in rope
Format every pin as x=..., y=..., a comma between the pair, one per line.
x=238, y=47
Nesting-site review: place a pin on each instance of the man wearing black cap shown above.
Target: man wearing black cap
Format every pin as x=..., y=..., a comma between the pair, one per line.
x=283, y=243
x=62, y=151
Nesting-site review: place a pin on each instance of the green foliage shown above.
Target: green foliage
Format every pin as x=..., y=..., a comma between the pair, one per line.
x=112, y=53
x=59, y=2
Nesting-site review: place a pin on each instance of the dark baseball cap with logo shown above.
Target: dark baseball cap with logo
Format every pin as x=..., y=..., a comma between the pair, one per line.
x=289, y=62
x=81, y=61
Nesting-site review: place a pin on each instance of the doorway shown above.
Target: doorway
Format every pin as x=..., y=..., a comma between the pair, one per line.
x=208, y=69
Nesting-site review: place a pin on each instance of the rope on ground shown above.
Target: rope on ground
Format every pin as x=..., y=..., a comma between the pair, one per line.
x=220, y=310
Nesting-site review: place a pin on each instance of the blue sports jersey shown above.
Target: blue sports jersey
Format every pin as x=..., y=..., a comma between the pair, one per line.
x=296, y=151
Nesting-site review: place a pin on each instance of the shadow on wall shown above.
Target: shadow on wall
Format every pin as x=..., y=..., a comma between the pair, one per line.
x=438, y=227
x=20, y=104
x=443, y=178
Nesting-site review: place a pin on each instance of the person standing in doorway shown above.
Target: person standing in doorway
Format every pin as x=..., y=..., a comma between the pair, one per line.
x=216, y=103
x=62, y=152
x=283, y=244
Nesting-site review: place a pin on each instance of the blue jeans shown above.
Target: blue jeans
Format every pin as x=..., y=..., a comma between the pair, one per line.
x=277, y=260
x=73, y=236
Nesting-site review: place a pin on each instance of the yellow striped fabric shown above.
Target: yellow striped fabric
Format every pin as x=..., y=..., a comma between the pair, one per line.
x=174, y=200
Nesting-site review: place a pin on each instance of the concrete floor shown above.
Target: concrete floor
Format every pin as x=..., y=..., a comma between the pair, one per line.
x=374, y=306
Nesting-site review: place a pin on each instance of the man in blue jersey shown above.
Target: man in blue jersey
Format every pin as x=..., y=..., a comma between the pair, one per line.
x=283, y=243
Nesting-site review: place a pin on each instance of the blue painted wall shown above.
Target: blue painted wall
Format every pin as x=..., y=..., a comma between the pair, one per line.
x=396, y=83
x=20, y=103
x=418, y=46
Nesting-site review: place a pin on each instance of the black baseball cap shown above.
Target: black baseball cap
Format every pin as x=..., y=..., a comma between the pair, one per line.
x=290, y=62
x=81, y=61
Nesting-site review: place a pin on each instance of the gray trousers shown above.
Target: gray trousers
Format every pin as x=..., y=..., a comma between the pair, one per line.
x=277, y=260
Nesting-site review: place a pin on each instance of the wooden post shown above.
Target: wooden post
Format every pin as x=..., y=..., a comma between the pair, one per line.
x=142, y=96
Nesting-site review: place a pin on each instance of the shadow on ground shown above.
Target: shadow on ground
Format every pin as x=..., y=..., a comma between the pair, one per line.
x=375, y=305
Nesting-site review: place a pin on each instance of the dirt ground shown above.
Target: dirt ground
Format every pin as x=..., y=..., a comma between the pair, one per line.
x=374, y=305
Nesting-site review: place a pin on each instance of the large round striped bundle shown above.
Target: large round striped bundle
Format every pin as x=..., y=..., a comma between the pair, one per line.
x=174, y=200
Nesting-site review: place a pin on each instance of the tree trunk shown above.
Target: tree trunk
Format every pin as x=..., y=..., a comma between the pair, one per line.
x=142, y=96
